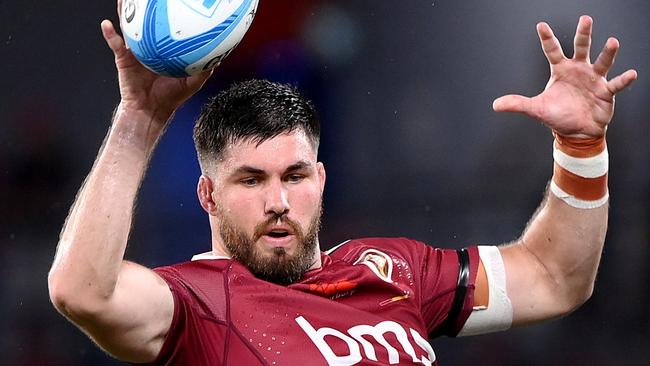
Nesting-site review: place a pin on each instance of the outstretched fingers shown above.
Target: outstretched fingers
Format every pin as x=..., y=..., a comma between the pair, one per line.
x=582, y=40
x=550, y=44
x=606, y=58
x=622, y=81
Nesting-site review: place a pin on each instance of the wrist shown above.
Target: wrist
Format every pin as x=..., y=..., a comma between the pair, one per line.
x=580, y=171
x=580, y=147
x=138, y=128
x=157, y=118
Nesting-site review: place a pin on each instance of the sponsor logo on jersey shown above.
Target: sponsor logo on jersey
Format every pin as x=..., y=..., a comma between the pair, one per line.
x=331, y=289
x=379, y=262
x=368, y=338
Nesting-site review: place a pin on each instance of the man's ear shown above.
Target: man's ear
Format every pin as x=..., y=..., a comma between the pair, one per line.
x=321, y=175
x=205, y=192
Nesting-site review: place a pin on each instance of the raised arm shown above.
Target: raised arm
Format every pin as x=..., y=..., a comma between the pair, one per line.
x=125, y=308
x=551, y=269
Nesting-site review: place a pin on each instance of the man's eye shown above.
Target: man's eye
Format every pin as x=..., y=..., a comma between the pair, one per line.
x=295, y=178
x=249, y=181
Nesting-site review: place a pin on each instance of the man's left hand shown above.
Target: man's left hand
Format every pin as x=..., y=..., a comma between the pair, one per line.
x=578, y=100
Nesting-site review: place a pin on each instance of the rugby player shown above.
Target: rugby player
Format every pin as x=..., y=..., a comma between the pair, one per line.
x=265, y=293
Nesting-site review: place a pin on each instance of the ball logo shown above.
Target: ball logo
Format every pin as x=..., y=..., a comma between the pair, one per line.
x=249, y=17
x=129, y=10
x=203, y=7
x=215, y=60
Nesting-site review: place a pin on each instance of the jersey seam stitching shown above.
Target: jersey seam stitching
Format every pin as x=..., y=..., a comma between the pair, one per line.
x=228, y=319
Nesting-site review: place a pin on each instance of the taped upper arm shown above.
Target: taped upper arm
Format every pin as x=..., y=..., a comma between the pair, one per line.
x=481, y=288
x=492, y=307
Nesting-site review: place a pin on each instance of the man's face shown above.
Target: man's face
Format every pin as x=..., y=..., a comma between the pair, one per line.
x=268, y=205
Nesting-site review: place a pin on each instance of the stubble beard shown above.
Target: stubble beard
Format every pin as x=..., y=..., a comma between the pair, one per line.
x=280, y=267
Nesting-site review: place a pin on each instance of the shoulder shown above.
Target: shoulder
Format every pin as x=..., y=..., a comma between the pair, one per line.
x=353, y=249
x=199, y=284
x=387, y=243
x=194, y=269
x=415, y=252
x=200, y=311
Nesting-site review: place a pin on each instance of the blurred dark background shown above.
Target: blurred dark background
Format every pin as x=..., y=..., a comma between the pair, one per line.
x=410, y=141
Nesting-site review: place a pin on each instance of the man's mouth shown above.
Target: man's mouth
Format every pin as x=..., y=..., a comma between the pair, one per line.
x=278, y=236
x=278, y=233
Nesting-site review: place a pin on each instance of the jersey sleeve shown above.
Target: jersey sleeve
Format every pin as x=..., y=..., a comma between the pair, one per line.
x=182, y=315
x=446, y=289
x=184, y=341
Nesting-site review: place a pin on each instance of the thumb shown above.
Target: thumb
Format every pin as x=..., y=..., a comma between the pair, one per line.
x=512, y=103
x=113, y=40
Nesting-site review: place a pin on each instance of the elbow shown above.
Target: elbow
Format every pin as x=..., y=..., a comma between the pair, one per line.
x=70, y=301
x=583, y=295
x=62, y=298
x=77, y=290
x=573, y=298
x=576, y=288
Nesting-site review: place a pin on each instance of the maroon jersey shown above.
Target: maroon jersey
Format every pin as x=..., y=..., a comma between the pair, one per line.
x=373, y=302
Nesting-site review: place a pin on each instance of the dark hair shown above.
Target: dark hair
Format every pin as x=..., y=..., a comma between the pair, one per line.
x=255, y=110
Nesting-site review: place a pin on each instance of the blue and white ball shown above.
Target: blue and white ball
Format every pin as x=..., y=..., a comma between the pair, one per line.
x=184, y=37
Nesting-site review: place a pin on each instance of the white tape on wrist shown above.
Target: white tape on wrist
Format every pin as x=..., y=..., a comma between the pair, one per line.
x=580, y=171
x=593, y=167
x=498, y=314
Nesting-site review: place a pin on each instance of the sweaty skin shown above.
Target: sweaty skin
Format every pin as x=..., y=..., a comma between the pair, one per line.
x=551, y=269
x=127, y=308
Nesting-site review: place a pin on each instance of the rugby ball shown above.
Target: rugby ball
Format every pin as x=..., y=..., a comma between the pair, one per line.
x=184, y=37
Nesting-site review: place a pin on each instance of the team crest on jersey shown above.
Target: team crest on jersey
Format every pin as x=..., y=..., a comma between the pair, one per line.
x=379, y=263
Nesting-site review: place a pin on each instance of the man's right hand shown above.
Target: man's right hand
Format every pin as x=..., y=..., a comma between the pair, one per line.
x=127, y=309
x=141, y=89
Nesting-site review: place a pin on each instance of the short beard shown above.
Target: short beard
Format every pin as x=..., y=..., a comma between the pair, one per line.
x=279, y=268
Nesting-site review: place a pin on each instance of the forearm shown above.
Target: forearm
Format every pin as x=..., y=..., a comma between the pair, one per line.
x=568, y=243
x=94, y=238
x=552, y=267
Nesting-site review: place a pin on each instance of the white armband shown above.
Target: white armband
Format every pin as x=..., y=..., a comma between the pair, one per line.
x=498, y=314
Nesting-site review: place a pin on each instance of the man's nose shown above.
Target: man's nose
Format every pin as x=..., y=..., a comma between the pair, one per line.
x=277, y=200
